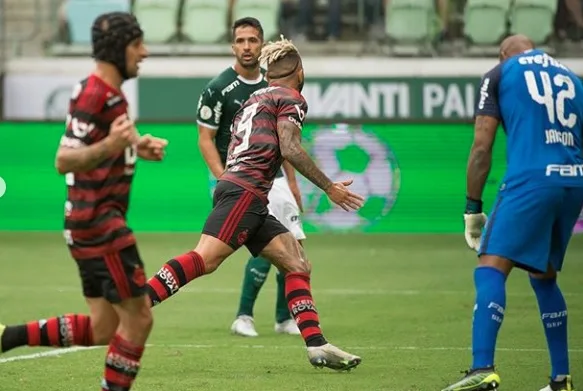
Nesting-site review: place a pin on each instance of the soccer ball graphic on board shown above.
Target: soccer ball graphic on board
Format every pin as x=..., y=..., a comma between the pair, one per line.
x=342, y=152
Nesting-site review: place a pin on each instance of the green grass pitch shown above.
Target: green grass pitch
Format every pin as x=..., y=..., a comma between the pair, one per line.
x=404, y=303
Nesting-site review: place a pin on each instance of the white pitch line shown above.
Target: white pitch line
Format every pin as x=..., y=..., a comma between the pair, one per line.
x=49, y=353
x=60, y=352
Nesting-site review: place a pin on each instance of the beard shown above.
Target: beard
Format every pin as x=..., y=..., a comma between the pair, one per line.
x=248, y=64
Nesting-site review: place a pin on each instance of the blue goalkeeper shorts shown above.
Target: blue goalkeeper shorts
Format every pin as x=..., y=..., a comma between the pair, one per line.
x=532, y=227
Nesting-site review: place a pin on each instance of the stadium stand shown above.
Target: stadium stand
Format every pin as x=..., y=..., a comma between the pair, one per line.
x=159, y=19
x=201, y=27
x=410, y=25
x=265, y=10
x=533, y=18
x=486, y=23
x=81, y=14
x=205, y=21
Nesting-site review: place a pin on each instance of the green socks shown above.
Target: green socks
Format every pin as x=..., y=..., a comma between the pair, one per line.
x=256, y=273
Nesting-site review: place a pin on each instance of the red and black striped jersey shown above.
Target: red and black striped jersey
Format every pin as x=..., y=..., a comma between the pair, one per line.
x=254, y=155
x=97, y=200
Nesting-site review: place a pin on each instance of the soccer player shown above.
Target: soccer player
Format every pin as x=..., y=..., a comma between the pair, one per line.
x=266, y=130
x=539, y=103
x=98, y=156
x=220, y=100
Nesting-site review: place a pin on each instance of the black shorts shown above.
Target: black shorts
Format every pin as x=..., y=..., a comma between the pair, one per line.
x=240, y=218
x=115, y=276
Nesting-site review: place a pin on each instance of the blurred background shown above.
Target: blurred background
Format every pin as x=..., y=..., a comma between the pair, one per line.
x=391, y=87
x=390, y=84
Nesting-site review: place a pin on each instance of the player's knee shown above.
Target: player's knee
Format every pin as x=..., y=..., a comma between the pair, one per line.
x=137, y=321
x=550, y=274
x=103, y=332
x=296, y=265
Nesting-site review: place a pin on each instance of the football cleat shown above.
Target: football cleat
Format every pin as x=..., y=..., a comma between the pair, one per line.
x=244, y=326
x=287, y=327
x=564, y=385
x=330, y=356
x=485, y=379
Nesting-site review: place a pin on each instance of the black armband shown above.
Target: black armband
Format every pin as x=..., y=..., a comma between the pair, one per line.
x=473, y=206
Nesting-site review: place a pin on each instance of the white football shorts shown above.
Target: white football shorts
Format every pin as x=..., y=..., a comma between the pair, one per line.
x=283, y=206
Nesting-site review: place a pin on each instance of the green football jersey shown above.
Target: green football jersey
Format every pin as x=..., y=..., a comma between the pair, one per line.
x=220, y=100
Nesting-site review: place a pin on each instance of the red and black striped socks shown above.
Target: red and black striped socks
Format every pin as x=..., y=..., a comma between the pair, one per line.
x=62, y=331
x=122, y=364
x=175, y=273
x=301, y=306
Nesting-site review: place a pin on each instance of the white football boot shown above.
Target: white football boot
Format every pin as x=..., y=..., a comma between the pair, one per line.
x=287, y=327
x=244, y=326
x=330, y=356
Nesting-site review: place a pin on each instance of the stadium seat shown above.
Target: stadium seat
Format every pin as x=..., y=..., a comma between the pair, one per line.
x=158, y=19
x=409, y=21
x=534, y=18
x=266, y=11
x=82, y=13
x=205, y=21
x=486, y=21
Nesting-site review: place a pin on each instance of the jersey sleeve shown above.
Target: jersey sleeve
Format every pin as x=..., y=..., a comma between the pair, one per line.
x=292, y=109
x=84, y=125
x=209, y=110
x=487, y=99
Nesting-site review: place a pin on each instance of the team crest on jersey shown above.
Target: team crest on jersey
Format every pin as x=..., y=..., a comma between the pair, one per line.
x=138, y=276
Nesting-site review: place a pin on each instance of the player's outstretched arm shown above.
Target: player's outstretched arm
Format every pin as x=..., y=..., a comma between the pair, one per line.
x=480, y=160
x=74, y=156
x=292, y=151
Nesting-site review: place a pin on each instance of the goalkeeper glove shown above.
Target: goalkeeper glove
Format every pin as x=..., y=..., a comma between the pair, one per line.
x=474, y=220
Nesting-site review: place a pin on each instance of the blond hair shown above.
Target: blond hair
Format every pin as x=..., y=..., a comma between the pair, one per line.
x=274, y=51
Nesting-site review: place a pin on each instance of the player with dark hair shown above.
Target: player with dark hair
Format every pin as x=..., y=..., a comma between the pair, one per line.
x=266, y=130
x=98, y=154
x=539, y=103
x=221, y=98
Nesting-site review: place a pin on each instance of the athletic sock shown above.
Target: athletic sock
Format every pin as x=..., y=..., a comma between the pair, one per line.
x=256, y=273
x=302, y=307
x=553, y=310
x=488, y=314
x=122, y=365
x=175, y=273
x=62, y=331
x=281, y=309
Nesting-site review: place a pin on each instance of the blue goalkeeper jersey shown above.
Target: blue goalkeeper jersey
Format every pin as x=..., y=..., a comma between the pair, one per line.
x=539, y=103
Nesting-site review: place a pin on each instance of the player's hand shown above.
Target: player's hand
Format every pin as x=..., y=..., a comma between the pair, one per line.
x=474, y=222
x=151, y=148
x=341, y=196
x=122, y=133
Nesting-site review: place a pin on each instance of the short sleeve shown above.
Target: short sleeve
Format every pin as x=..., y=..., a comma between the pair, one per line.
x=487, y=98
x=209, y=110
x=84, y=125
x=292, y=109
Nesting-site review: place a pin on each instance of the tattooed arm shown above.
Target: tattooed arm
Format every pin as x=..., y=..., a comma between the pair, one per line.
x=480, y=160
x=292, y=151
x=84, y=158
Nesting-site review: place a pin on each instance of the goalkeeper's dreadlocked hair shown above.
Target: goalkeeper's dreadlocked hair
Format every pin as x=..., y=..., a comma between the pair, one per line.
x=281, y=57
